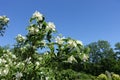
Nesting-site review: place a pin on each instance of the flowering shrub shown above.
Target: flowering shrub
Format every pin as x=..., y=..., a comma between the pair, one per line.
x=39, y=55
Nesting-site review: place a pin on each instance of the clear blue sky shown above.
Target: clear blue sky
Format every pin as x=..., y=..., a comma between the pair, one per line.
x=85, y=20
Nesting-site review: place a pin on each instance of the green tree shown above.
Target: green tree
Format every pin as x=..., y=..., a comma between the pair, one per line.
x=99, y=50
x=101, y=57
x=117, y=50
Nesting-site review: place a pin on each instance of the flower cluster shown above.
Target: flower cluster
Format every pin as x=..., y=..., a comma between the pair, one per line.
x=18, y=75
x=85, y=57
x=59, y=40
x=4, y=72
x=3, y=20
x=20, y=38
x=50, y=26
x=33, y=30
x=38, y=15
x=7, y=60
x=71, y=59
x=74, y=43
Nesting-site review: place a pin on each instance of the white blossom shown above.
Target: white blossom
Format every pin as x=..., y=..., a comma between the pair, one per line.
x=36, y=30
x=20, y=64
x=50, y=26
x=59, y=40
x=33, y=30
x=4, y=19
x=40, y=58
x=2, y=60
x=20, y=38
x=41, y=72
x=5, y=55
x=38, y=15
x=79, y=42
x=18, y=75
x=46, y=78
x=13, y=56
x=28, y=60
x=71, y=59
x=85, y=57
x=72, y=43
x=37, y=63
x=6, y=65
x=4, y=72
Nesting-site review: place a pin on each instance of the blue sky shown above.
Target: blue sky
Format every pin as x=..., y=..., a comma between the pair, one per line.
x=85, y=20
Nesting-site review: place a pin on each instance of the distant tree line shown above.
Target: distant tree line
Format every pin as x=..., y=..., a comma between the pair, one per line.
x=102, y=57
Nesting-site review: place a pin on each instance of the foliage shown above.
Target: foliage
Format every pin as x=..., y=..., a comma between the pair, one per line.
x=101, y=58
x=111, y=76
x=42, y=54
x=39, y=55
x=102, y=77
x=3, y=22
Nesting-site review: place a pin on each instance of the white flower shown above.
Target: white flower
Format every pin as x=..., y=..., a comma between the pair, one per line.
x=79, y=42
x=2, y=60
x=41, y=72
x=9, y=61
x=59, y=40
x=38, y=15
x=5, y=71
x=36, y=30
x=28, y=60
x=20, y=64
x=51, y=26
x=14, y=63
x=40, y=58
x=72, y=43
x=71, y=59
x=37, y=63
x=85, y=57
x=33, y=30
x=20, y=38
x=13, y=56
x=18, y=75
x=5, y=55
x=6, y=65
x=46, y=78
x=6, y=20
